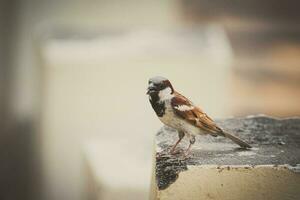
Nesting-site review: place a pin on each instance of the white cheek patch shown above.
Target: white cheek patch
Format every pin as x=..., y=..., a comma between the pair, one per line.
x=184, y=107
x=165, y=94
x=151, y=84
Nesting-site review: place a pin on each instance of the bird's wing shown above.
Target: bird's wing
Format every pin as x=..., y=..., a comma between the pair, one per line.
x=194, y=115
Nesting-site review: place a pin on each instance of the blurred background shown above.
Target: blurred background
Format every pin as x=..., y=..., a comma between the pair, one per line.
x=75, y=122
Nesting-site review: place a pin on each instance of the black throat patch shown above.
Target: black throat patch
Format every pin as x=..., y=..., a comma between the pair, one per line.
x=159, y=107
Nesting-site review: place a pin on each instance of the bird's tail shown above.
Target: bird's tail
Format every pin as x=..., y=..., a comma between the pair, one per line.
x=237, y=140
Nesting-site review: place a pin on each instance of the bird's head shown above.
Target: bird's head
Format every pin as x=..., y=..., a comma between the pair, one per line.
x=160, y=86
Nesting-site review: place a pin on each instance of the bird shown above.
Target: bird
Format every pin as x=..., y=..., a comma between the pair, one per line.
x=178, y=112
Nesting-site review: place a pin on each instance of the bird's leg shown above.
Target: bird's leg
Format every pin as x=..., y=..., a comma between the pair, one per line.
x=180, y=135
x=192, y=141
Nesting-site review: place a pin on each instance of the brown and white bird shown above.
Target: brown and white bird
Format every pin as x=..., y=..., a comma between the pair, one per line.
x=178, y=112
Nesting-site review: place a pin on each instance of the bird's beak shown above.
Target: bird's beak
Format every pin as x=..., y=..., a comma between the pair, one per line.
x=150, y=89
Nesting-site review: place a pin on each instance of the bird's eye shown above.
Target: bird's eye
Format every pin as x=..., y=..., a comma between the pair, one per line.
x=161, y=86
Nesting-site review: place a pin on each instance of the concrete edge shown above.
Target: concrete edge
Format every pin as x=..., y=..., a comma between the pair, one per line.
x=264, y=116
x=295, y=169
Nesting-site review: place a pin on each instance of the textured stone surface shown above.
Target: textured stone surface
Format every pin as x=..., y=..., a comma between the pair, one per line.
x=276, y=143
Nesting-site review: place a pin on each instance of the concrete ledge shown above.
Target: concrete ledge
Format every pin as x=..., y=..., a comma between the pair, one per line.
x=218, y=169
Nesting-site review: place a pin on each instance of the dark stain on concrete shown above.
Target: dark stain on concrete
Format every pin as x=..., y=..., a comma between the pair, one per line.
x=168, y=167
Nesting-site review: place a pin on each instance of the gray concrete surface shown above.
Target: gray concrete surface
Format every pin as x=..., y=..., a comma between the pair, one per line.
x=275, y=143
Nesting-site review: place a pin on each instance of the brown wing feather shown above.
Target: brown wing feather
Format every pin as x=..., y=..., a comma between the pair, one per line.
x=195, y=115
x=198, y=118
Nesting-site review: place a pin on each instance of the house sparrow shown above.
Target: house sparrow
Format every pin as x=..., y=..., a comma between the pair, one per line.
x=178, y=112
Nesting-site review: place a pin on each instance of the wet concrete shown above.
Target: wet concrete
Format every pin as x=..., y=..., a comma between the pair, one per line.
x=274, y=141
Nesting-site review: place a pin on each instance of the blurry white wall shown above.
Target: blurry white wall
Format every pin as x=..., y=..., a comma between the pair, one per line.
x=37, y=18
x=85, y=89
x=94, y=90
x=35, y=21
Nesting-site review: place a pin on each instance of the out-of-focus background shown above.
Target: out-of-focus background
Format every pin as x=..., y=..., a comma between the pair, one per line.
x=75, y=122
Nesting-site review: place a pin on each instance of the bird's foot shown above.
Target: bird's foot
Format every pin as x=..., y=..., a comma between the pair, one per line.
x=173, y=151
x=187, y=154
